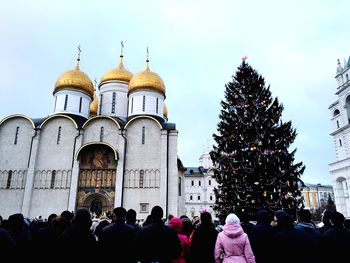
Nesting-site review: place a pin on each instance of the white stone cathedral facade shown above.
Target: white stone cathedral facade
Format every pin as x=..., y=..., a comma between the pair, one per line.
x=95, y=153
x=340, y=117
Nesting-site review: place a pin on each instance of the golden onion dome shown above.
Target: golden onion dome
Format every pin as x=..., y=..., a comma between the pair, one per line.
x=94, y=106
x=147, y=80
x=165, y=111
x=118, y=74
x=76, y=80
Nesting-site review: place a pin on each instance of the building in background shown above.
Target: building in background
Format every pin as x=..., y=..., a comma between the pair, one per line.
x=94, y=152
x=317, y=195
x=340, y=118
x=199, y=188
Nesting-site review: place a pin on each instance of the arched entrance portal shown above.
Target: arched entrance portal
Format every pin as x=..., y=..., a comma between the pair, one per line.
x=97, y=177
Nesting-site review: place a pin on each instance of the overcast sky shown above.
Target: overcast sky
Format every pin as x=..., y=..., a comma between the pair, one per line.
x=195, y=46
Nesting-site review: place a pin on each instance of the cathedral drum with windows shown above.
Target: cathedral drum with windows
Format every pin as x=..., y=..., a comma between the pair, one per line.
x=92, y=152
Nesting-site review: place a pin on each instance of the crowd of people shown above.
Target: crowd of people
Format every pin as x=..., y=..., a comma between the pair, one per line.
x=273, y=239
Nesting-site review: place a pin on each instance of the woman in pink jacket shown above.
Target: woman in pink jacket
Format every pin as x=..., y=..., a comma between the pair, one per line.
x=176, y=224
x=232, y=244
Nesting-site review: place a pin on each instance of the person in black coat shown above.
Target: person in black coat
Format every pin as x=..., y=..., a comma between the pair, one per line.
x=118, y=237
x=203, y=241
x=262, y=236
x=157, y=242
x=131, y=219
x=286, y=240
x=309, y=237
x=79, y=236
x=335, y=242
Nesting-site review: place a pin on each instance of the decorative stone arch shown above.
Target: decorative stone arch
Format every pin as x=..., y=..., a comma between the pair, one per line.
x=57, y=116
x=101, y=117
x=143, y=117
x=94, y=200
x=17, y=116
x=116, y=154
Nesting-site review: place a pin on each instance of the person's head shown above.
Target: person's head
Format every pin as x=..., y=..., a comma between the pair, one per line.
x=304, y=215
x=131, y=216
x=157, y=213
x=206, y=219
x=170, y=216
x=119, y=213
x=148, y=221
x=283, y=219
x=82, y=218
x=52, y=216
x=183, y=216
x=176, y=224
x=263, y=217
x=337, y=219
x=232, y=219
x=16, y=221
x=67, y=215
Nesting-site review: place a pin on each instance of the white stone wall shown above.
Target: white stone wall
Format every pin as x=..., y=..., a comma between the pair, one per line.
x=136, y=103
x=121, y=100
x=11, y=201
x=48, y=201
x=53, y=156
x=173, y=176
x=145, y=156
x=92, y=131
x=73, y=103
x=15, y=158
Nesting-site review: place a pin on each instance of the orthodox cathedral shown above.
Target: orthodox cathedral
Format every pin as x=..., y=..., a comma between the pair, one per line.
x=92, y=152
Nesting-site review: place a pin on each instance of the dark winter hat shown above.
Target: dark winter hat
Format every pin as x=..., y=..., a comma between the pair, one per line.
x=263, y=217
x=131, y=215
x=67, y=215
x=337, y=219
x=157, y=213
x=206, y=219
x=304, y=215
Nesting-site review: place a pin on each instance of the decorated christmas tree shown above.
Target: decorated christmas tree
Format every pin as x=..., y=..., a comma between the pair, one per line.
x=254, y=168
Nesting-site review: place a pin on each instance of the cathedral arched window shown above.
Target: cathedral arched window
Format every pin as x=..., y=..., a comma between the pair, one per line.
x=347, y=77
x=80, y=103
x=53, y=179
x=143, y=135
x=59, y=135
x=199, y=197
x=102, y=133
x=157, y=106
x=9, y=179
x=143, y=103
x=101, y=96
x=16, y=135
x=192, y=183
x=337, y=124
x=191, y=198
x=209, y=182
x=113, y=102
x=142, y=177
x=65, y=102
x=199, y=183
x=336, y=112
x=340, y=143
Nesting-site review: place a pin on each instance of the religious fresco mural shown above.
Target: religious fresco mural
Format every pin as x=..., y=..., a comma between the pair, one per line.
x=97, y=177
